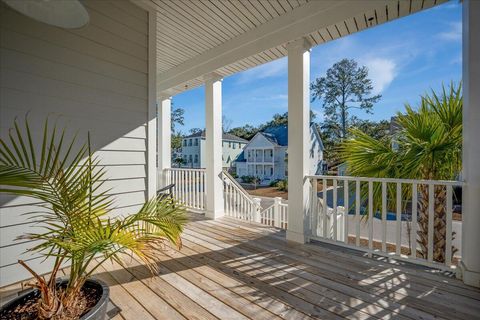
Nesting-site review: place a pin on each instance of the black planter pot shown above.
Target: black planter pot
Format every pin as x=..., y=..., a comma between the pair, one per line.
x=98, y=312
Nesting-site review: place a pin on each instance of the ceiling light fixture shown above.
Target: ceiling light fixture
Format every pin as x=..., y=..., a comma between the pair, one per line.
x=64, y=14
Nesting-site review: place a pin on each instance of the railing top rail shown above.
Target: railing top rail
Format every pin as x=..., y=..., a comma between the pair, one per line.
x=187, y=169
x=268, y=208
x=391, y=180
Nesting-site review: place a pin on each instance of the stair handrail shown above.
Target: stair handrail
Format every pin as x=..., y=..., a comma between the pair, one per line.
x=237, y=186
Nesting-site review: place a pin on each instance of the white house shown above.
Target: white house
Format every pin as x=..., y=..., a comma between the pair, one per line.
x=266, y=155
x=194, y=155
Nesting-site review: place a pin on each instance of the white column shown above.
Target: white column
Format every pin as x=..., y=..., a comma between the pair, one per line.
x=164, y=109
x=213, y=143
x=470, y=264
x=298, y=138
x=151, y=153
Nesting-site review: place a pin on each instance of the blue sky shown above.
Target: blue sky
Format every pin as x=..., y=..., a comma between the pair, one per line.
x=406, y=58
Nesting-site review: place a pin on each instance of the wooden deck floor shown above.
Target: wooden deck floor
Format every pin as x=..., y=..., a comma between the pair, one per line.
x=232, y=270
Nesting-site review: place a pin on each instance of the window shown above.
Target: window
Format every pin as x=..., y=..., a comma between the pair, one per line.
x=196, y=142
x=271, y=171
x=190, y=142
x=234, y=145
x=196, y=158
x=229, y=144
x=185, y=142
x=190, y=159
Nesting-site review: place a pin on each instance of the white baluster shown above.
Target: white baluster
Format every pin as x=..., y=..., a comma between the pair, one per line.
x=414, y=222
x=448, y=248
x=325, y=209
x=346, y=204
x=431, y=220
x=334, y=213
x=370, y=217
x=357, y=212
x=384, y=216
x=398, y=244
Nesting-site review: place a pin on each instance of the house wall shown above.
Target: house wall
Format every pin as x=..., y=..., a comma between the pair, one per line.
x=90, y=79
x=231, y=150
x=259, y=142
x=280, y=154
x=192, y=151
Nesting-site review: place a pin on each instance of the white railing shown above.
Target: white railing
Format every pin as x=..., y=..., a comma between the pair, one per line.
x=275, y=215
x=190, y=187
x=408, y=219
x=238, y=203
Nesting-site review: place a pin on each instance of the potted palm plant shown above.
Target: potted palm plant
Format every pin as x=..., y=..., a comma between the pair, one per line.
x=78, y=233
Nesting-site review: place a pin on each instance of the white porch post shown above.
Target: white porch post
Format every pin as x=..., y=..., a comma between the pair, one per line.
x=213, y=143
x=298, y=138
x=151, y=153
x=470, y=264
x=164, y=157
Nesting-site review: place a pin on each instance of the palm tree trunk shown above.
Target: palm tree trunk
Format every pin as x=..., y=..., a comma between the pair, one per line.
x=439, y=224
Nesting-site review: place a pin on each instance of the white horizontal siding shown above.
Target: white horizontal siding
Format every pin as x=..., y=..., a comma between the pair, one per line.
x=91, y=79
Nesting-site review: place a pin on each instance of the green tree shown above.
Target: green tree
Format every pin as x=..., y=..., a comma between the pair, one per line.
x=246, y=132
x=195, y=130
x=179, y=161
x=177, y=118
x=427, y=145
x=346, y=86
x=176, y=140
x=377, y=130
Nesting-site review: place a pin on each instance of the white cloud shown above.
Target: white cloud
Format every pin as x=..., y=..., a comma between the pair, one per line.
x=267, y=70
x=453, y=34
x=381, y=71
x=271, y=97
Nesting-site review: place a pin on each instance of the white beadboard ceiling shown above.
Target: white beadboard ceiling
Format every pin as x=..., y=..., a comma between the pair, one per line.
x=187, y=29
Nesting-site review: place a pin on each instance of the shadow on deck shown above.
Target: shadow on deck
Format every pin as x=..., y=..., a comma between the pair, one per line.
x=234, y=270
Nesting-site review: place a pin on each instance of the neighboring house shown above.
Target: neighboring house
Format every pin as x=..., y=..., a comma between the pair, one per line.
x=342, y=169
x=193, y=150
x=265, y=156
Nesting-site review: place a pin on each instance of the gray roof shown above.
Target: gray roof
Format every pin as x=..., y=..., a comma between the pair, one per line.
x=279, y=134
x=225, y=136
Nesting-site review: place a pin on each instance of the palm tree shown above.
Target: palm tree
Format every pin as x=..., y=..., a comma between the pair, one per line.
x=428, y=145
x=75, y=213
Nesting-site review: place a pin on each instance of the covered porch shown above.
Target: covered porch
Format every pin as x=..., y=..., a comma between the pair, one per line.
x=309, y=216
x=291, y=261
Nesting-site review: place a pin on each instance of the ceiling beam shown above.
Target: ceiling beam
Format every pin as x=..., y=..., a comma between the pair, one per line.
x=313, y=16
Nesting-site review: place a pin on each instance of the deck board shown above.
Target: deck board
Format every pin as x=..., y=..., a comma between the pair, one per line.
x=228, y=269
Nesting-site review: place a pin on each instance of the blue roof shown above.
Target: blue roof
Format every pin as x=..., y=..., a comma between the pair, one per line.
x=277, y=134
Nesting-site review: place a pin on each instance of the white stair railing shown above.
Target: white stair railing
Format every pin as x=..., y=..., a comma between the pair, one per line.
x=275, y=215
x=390, y=217
x=238, y=203
x=189, y=186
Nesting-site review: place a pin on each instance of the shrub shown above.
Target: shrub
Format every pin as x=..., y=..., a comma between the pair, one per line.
x=282, y=185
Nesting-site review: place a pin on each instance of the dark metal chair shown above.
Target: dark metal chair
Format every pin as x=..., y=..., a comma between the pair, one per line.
x=166, y=192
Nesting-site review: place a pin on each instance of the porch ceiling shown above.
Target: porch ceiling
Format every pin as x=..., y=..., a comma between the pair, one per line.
x=193, y=34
